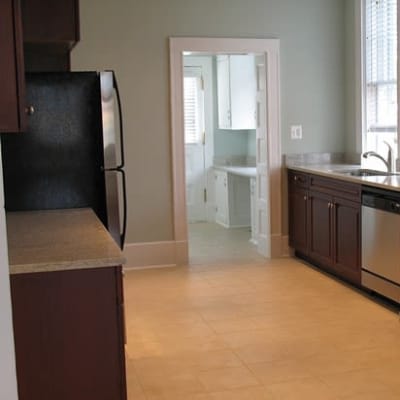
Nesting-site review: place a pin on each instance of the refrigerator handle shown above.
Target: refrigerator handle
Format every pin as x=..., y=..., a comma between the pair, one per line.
x=125, y=206
x=121, y=125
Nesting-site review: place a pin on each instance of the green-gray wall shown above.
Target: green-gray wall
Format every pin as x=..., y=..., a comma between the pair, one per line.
x=351, y=77
x=131, y=37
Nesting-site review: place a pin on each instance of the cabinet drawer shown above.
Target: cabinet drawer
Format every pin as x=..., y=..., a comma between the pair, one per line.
x=336, y=187
x=298, y=179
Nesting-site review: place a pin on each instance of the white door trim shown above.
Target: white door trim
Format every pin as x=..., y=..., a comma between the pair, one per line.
x=270, y=47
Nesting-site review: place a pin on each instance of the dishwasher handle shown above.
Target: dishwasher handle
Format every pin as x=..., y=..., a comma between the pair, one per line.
x=381, y=203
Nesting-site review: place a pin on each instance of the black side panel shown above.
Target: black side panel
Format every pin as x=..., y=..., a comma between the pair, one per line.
x=58, y=162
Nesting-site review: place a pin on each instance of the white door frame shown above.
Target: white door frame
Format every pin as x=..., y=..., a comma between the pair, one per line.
x=269, y=47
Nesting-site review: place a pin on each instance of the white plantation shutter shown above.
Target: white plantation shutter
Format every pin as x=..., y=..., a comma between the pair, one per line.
x=193, y=105
x=381, y=65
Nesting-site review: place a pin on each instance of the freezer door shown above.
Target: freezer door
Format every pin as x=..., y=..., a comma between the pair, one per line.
x=110, y=119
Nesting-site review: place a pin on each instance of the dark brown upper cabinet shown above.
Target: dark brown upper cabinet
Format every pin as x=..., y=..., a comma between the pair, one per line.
x=51, y=30
x=51, y=22
x=12, y=84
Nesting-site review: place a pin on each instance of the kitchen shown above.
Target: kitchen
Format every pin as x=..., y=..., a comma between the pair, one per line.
x=313, y=64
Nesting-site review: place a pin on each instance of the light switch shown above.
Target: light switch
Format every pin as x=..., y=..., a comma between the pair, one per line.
x=296, y=132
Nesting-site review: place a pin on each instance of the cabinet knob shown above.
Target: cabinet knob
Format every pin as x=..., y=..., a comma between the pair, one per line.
x=29, y=110
x=295, y=178
x=305, y=197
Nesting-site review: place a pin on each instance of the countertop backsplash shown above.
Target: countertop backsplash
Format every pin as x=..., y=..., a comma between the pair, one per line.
x=321, y=158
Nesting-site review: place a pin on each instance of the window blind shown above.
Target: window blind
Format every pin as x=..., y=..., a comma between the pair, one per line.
x=381, y=65
x=193, y=106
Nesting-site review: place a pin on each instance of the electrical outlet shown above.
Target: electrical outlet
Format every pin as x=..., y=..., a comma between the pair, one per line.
x=296, y=132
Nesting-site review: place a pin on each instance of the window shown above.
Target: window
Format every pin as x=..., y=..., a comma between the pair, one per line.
x=380, y=74
x=193, y=105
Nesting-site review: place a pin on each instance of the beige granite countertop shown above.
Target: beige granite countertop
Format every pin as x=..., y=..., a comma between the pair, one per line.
x=333, y=171
x=57, y=240
x=241, y=170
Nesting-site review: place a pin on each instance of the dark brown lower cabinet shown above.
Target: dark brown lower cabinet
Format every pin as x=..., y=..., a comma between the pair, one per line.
x=320, y=228
x=69, y=335
x=325, y=223
x=347, y=239
x=298, y=217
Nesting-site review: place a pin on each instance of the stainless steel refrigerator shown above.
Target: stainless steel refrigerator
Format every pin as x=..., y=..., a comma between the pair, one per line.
x=71, y=155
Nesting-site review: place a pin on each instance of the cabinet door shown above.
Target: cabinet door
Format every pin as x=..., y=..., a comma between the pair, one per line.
x=49, y=21
x=238, y=201
x=237, y=90
x=221, y=198
x=347, y=249
x=253, y=211
x=243, y=84
x=320, y=228
x=298, y=204
x=12, y=95
x=69, y=337
x=223, y=92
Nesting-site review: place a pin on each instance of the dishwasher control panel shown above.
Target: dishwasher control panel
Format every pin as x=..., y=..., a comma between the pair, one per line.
x=381, y=199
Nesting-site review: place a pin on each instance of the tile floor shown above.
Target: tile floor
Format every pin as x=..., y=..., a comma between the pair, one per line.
x=212, y=243
x=256, y=330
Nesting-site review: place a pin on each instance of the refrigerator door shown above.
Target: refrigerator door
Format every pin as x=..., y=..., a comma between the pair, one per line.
x=113, y=142
x=113, y=206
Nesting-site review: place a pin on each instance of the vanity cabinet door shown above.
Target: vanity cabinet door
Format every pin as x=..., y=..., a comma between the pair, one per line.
x=12, y=83
x=221, y=198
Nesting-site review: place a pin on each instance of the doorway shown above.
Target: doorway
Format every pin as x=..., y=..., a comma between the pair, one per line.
x=268, y=166
x=221, y=119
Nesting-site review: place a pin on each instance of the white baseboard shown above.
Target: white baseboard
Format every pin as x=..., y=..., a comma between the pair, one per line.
x=285, y=246
x=279, y=246
x=174, y=253
x=155, y=254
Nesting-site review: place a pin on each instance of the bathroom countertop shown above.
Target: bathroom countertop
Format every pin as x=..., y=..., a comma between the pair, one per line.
x=242, y=170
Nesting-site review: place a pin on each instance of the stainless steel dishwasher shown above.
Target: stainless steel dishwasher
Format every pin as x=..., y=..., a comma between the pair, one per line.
x=380, y=251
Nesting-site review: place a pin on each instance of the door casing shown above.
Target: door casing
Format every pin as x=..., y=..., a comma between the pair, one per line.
x=270, y=48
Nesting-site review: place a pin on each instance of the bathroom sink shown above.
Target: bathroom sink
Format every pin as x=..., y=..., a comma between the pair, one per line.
x=364, y=172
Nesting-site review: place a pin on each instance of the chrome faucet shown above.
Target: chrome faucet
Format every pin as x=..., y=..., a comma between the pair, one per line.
x=389, y=162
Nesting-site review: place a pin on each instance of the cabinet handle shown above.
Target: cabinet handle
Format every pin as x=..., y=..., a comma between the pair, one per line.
x=29, y=110
x=305, y=197
x=295, y=178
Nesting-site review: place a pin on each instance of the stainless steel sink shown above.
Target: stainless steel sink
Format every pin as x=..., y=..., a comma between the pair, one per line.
x=364, y=172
